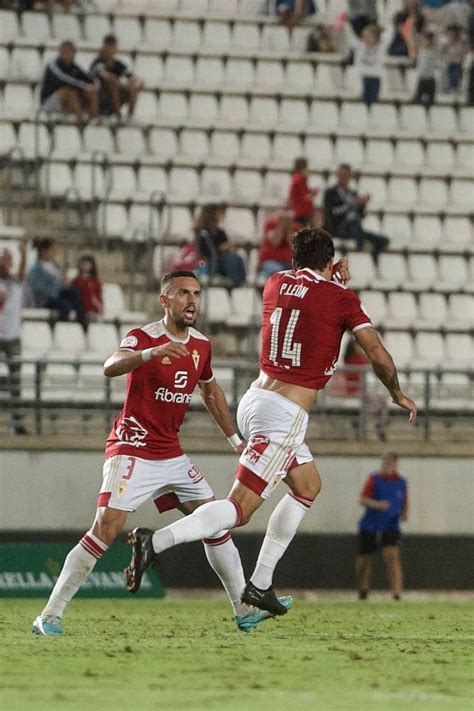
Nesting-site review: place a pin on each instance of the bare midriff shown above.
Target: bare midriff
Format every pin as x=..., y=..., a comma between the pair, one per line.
x=303, y=397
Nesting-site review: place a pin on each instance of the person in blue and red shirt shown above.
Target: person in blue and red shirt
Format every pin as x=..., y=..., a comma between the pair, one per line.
x=385, y=497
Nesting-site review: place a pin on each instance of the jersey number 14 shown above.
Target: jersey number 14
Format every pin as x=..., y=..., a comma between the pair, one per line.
x=289, y=349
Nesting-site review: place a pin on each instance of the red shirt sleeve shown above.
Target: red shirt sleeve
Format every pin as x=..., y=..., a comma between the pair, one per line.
x=354, y=316
x=135, y=340
x=368, y=488
x=207, y=375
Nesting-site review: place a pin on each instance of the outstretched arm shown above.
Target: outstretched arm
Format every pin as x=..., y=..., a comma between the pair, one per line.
x=124, y=361
x=384, y=368
x=216, y=403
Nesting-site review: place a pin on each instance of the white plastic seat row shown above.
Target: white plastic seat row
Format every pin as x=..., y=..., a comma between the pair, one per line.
x=429, y=312
x=430, y=350
x=68, y=339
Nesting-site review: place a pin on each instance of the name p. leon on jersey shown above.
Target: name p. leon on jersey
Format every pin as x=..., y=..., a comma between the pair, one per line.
x=158, y=394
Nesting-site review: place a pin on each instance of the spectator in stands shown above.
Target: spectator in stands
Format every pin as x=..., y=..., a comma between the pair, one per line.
x=319, y=218
x=374, y=402
x=300, y=195
x=385, y=499
x=68, y=89
x=426, y=66
x=398, y=46
x=345, y=210
x=90, y=288
x=369, y=58
x=118, y=85
x=214, y=247
x=362, y=13
x=453, y=52
x=275, y=251
x=11, y=293
x=292, y=12
x=48, y=287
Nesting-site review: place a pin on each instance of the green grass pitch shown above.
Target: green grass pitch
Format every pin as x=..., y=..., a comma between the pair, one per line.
x=139, y=655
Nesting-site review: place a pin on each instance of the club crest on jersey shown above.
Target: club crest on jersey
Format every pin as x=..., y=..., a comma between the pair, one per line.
x=196, y=358
x=166, y=361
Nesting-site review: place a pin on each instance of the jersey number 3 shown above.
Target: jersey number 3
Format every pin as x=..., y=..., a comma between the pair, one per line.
x=289, y=349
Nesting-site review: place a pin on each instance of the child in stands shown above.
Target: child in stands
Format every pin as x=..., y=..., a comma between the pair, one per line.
x=90, y=288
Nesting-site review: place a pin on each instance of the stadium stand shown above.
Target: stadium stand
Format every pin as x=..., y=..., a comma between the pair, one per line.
x=230, y=99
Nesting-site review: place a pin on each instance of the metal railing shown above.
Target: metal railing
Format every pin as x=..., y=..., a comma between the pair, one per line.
x=43, y=388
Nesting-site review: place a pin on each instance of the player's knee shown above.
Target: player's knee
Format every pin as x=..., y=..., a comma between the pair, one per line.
x=309, y=489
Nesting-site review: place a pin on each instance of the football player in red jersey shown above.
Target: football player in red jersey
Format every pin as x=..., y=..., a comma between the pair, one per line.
x=305, y=314
x=164, y=361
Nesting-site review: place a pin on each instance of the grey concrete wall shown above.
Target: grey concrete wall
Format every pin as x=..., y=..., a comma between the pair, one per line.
x=57, y=491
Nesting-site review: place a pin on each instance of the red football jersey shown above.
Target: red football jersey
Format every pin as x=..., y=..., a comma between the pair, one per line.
x=158, y=394
x=304, y=319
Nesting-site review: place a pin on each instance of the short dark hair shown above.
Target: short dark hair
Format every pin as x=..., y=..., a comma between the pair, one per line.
x=346, y=166
x=42, y=244
x=299, y=165
x=67, y=44
x=110, y=39
x=391, y=456
x=167, y=280
x=312, y=247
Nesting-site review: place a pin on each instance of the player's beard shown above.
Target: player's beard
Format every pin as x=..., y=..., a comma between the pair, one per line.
x=182, y=323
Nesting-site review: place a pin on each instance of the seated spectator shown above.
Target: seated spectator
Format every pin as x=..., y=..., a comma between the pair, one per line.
x=275, y=251
x=68, y=89
x=90, y=288
x=11, y=289
x=214, y=247
x=453, y=52
x=362, y=13
x=48, y=287
x=118, y=85
x=398, y=46
x=426, y=65
x=293, y=12
x=301, y=196
x=320, y=40
x=345, y=210
x=369, y=58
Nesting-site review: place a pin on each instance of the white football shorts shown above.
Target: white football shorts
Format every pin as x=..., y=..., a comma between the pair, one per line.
x=130, y=481
x=274, y=428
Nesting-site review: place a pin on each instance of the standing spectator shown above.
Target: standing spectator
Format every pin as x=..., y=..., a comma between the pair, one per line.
x=385, y=499
x=214, y=247
x=275, y=251
x=345, y=210
x=453, y=52
x=362, y=13
x=118, y=85
x=426, y=65
x=90, y=288
x=11, y=291
x=369, y=58
x=68, y=89
x=47, y=285
x=301, y=196
x=398, y=46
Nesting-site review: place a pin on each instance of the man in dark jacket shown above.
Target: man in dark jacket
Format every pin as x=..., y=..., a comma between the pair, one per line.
x=345, y=209
x=66, y=88
x=118, y=86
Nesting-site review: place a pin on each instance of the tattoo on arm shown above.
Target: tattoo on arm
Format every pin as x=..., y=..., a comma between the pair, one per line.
x=387, y=374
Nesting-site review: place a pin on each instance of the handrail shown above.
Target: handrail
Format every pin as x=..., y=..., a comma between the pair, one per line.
x=71, y=192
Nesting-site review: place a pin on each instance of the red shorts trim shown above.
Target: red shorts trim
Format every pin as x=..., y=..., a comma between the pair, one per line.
x=250, y=480
x=167, y=502
x=103, y=499
x=217, y=541
x=306, y=502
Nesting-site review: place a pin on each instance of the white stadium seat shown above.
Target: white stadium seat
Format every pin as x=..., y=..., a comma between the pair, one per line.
x=245, y=307
x=240, y=224
x=466, y=119
x=460, y=312
x=402, y=192
x=67, y=142
x=275, y=187
x=353, y=115
x=452, y=273
x=398, y=229
x=299, y=77
x=433, y=192
x=163, y=143
x=25, y=64
x=427, y=232
x=215, y=184
x=34, y=140
x=375, y=304
x=459, y=350
x=457, y=233
x=319, y=152
x=238, y=74
x=432, y=312
x=203, y=109
x=181, y=223
x=18, y=100
x=157, y=34
x=328, y=80
x=402, y=310
x=209, y=73
x=409, y=154
x=130, y=142
x=413, y=120
x=193, y=145
x=102, y=339
x=151, y=178
x=36, y=337
x=464, y=159
x=269, y=75
x=224, y=147
x=57, y=179
x=376, y=188
x=184, y=183
x=216, y=306
x=35, y=27
x=324, y=116
x=68, y=339
x=186, y=35
x=423, y=272
x=124, y=182
x=275, y=38
x=392, y=271
x=379, y=154
x=442, y=119
x=383, y=118
x=440, y=155
x=129, y=31
x=146, y=105
x=66, y=26
x=216, y=36
x=263, y=112
x=429, y=350
x=362, y=270
x=112, y=220
x=178, y=72
x=95, y=27
x=150, y=69
x=247, y=185
x=255, y=149
x=7, y=137
x=349, y=150
x=284, y=149
x=98, y=138
x=461, y=195
x=233, y=111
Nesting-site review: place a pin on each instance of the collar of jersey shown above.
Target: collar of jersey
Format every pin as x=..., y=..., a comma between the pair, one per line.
x=174, y=338
x=313, y=273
